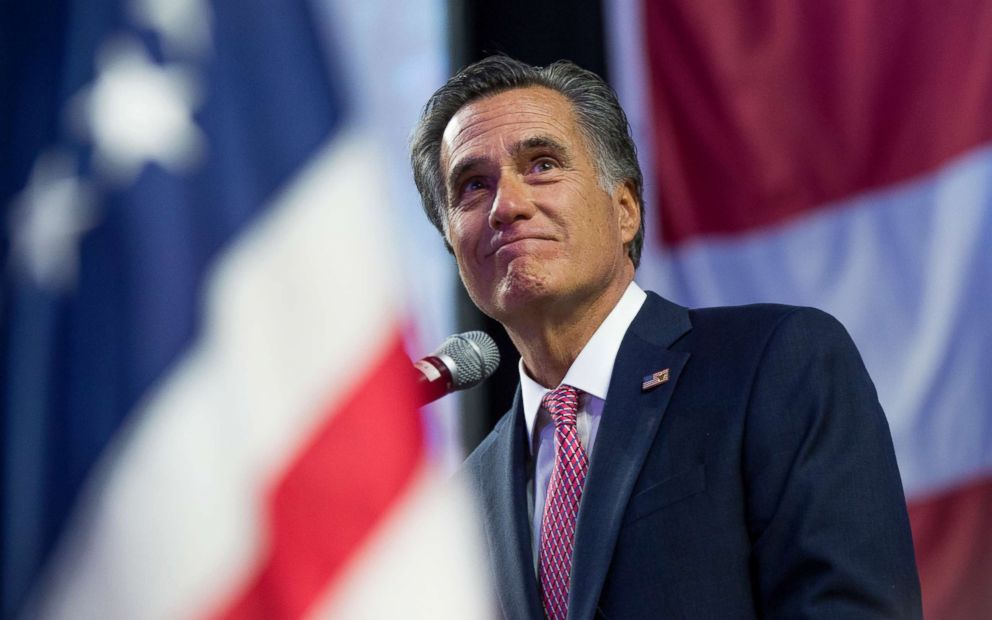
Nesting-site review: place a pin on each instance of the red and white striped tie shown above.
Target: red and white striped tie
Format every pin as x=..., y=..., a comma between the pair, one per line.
x=562, y=505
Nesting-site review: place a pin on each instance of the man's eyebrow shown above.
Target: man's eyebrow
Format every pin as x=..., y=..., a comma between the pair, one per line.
x=541, y=142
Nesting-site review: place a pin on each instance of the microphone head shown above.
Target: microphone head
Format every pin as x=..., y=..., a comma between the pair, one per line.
x=474, y=356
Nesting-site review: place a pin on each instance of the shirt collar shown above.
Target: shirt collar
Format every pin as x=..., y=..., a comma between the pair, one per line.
x=592, y=369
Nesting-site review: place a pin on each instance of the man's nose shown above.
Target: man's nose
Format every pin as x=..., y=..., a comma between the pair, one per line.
x=512, y=201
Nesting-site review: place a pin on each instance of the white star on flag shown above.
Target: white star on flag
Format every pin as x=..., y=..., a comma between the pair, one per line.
x=137, y=112
x=48, y=218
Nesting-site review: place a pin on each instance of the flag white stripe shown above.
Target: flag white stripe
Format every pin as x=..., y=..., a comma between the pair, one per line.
x=389, y=580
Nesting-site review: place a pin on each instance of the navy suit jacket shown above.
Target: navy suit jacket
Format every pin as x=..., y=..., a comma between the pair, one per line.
x=758, y=481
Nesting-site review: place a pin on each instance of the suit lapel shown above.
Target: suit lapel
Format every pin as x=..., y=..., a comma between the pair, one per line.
x=627, y=430
x=505, y=505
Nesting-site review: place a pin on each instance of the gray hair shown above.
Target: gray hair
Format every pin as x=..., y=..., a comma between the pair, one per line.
x=601, y=121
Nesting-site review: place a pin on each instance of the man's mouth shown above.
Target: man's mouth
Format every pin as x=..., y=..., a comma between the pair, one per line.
x=514, y=242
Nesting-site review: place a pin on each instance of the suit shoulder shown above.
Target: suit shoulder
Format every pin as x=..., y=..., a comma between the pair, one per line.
x=735, y=334
x=759, y=314
x=765, y=320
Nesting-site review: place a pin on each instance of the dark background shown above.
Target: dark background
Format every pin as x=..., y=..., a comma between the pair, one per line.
x=537, y=33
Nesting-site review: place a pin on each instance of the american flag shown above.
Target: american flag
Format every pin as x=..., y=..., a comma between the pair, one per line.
x=197, y=307
x=839, y=155
x=654, y=379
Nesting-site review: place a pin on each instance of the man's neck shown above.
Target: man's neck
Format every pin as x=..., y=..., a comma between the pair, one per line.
x=550, y=341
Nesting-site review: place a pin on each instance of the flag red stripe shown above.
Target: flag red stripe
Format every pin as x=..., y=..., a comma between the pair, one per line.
x=954, y=551
x=336, y=491
x=776, y=108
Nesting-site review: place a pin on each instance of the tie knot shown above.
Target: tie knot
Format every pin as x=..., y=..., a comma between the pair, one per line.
x=562, y=403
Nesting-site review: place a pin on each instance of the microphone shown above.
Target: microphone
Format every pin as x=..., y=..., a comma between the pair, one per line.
x=462, y=361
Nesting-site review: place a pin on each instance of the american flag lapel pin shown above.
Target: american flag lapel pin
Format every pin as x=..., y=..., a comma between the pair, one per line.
x=654, y=380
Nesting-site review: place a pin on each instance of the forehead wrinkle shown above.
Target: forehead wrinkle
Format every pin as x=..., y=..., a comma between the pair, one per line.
x=470, y=124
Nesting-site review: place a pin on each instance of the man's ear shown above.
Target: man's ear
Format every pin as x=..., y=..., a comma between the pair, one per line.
x=628, y=210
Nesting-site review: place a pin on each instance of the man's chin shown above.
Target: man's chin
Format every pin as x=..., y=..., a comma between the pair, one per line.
x=520, y=292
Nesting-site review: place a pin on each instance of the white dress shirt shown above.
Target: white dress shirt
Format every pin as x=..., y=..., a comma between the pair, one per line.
x=590, y=373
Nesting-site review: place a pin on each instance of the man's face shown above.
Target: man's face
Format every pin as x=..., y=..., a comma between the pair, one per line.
x=531, y=228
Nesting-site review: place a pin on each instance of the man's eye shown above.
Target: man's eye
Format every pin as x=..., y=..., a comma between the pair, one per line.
x=473, y=184
x=543, y=165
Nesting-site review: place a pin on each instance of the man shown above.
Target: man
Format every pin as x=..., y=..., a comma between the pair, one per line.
x=658, y=462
